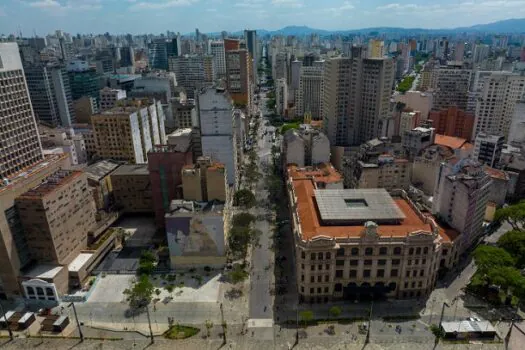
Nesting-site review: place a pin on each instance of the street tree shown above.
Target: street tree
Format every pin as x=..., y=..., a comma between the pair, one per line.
x=243, y=219
x=335, y=311
x=209, y=326
x=244, y=198
x=306, y=316
x=513, y=214
x=488, y=257
x=140, y=293
x=238, y=240
x=514, y=243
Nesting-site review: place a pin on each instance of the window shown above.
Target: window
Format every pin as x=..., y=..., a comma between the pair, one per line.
x=303, y=255
x=312, y=279
x=353, y=273
x=421, y=273
x=302, y=266
x=414, y=273
x=338, y=273
x=393, y=273
x=354, y=262
x=397, y=251
x=380, y=273
x=366, y=273
x=320, y=256
x=312, y=256
x=408, y=274
x=409, y=262
x=340, y=252
x=411, y=251
x=418, y=251
x=302, y=289
x=445, y=251
x=338, y=287
x=328, y=256
x=312, y=291
x=369, y=251
x=381, y=262
x=406, y=285
x=302, y=278
x=320, y=267
x=396, y=261
x=425, y=250
x=319, y=290
x=312, y=268
x=368, y=262
x=327, y=278
x=383, y=251
x=327, y=266
x=319, y=279
x=420, y=284
x=355, y=251
x=416, y=262
x=413, y=284
x=339, y=263
x=423, y=261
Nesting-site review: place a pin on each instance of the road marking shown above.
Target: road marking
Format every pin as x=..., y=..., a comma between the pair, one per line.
x=260, y=323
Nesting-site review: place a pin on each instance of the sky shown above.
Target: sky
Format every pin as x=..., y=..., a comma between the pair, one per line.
x=158, y=16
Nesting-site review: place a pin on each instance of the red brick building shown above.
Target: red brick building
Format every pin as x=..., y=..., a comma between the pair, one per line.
x=453, y=122
x=165, y=163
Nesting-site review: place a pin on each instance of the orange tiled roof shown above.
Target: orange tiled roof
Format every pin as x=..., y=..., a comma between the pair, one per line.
x=449, y=141
x=311, y=225
x=495, y=173
x=324, y=172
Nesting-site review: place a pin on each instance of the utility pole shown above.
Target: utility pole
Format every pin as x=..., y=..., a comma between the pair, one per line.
x=149, y=324
x=367, y=339
x=5, y=318
x=78, y=323
x=442, y=312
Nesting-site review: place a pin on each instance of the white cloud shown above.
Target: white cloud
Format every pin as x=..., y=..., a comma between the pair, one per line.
x=160, y=5
x=288, y=3
x=45, y=4
x=249, y=4
x=211, y=10
x=337, y=11
x=60, y=7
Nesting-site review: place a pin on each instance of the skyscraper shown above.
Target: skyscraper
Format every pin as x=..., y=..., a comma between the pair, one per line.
x=158, y=54
x=238, y=73
x=19, y=142
x=192, y=72
x=127, y=56
x=495, y=105
x=356, y=97
x=250, y=36
x=219, y=60
x=310, y=92
x=50, y=94
x=451, y=85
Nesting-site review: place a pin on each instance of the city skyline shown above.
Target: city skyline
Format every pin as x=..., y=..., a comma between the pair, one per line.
x=157, y=16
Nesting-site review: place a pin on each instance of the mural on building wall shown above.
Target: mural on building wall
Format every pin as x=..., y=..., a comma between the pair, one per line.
x=195, y=236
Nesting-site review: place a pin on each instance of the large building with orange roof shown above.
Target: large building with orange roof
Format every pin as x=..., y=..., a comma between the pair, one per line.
x=353, y=244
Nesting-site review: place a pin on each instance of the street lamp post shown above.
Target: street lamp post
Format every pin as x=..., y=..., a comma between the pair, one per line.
x=442, y=312
x=149, y=323
x=367, y=339
x=78, y=323
x=5, y=318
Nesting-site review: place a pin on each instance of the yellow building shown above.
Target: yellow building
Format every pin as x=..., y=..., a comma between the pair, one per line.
x=204, y=181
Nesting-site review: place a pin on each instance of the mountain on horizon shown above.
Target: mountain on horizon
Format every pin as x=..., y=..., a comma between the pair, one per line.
x=511, y=26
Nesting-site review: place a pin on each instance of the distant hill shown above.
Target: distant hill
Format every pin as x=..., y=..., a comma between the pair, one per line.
x=515, y=25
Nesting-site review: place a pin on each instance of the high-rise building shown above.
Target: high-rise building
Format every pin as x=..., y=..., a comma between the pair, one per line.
x=50, y=94
x=127, y=56
x=165, y=164
x=110, y=97
x=238, y=71
x=158, y=54
x=451, y=85
x=376, y=48
x=280, y=65
x=356, y=97
x=250, y=36
x=453, y=122
x=487, y=149
x=517, y=125
x=496, y=103
x=460, y=199
x=216, y=123
x=58, y=235
x=219, y=60
x=84, y=82
x=459, y=51
x=204, y=181
x=128, y=133
x=20, y=144
x=310, y=93
x=192, y=72
x=481, y=52
x=281, y=96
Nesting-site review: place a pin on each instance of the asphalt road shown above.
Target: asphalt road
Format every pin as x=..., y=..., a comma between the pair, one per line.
x=261, y=300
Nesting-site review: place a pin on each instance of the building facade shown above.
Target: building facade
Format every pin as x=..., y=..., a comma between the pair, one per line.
x=109, y=98
x=310, y=93
x=219, y=58
x=453, y=122
x=132, y=188
x=487, y=149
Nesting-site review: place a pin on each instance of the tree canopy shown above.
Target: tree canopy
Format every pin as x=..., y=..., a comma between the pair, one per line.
x=139, y=295
x=244, y=198
x=489, y=257
x=514, y=243
x=513, y=214
x=243, y=219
